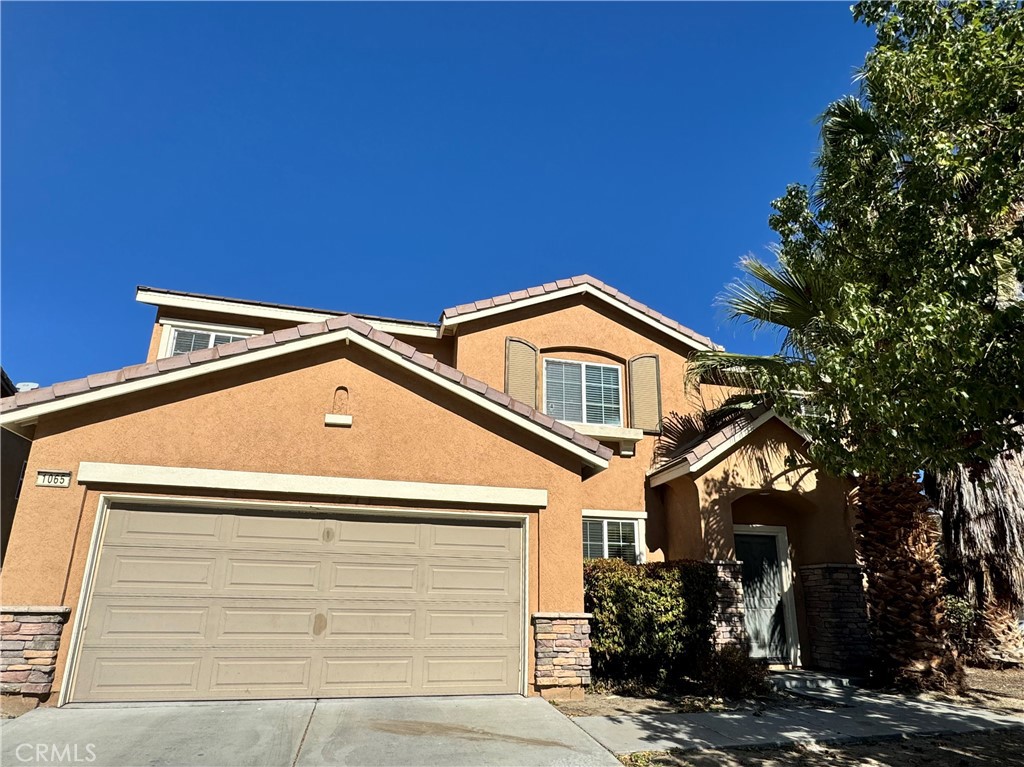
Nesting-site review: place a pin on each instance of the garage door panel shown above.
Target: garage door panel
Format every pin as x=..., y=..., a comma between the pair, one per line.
x=366, y=577
x=146, y=622
x=466, y=672
x=254, y=674
x=495, y=541
x=367, y=675
x=134, y=570
x=373, y=621
x=378, y=533
x=266, y=606
x=277, y=531
x=165, y=528
x=469, y=580
x=271, y=575
x=125, y=676
x=265, y=623
x=468, y=623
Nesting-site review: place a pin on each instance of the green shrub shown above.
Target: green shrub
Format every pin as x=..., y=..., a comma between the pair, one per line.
x=961, y=620
x=732, y=673
x=652, y=623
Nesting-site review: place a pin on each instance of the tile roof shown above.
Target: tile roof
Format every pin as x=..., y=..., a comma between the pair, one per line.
x=69, y=389
x=286, y=307
x=708, y=442
x=454, y=312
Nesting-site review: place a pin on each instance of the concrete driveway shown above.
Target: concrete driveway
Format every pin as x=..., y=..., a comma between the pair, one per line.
x=485, y=730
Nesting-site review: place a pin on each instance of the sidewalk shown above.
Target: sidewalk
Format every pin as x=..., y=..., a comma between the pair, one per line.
x=861, y=716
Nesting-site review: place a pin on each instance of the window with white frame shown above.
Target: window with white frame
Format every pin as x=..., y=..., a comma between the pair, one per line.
x=182, y=338
x=611, y=539
x=583, y=392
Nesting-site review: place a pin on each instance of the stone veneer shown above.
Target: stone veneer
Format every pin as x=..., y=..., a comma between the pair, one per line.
x=837, y=617
x=728, y=617
x=29, y=638
x=562, y=654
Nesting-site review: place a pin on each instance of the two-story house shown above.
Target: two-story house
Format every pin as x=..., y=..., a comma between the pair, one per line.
x=290, y=502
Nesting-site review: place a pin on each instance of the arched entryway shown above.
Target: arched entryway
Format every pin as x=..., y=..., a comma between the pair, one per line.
x=767, y=527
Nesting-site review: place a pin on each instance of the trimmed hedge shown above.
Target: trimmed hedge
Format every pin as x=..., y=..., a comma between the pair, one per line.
x=652, y=623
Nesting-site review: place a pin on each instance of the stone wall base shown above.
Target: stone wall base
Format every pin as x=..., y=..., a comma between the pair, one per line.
x=29, y=638
x=837, y=617
x=728, y=617
x=561, y=654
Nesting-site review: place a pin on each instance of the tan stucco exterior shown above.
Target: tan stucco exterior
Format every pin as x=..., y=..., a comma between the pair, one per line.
x=272, y=419
x=269, y=417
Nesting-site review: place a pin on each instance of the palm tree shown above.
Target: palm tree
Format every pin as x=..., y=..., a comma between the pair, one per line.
x=983, y=542
x=897, y=541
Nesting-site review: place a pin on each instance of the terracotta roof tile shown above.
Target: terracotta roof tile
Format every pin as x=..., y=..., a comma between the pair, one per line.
x=141, y=371
x=180, y=360
x=67, y=388
x=99, y=380
x=564, y=284
x=168, y=365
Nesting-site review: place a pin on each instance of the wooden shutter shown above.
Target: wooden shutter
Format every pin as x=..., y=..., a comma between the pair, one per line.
x=521, y=370
x=645, y=393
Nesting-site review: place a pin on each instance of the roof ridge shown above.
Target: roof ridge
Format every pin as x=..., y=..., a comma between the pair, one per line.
x=66, y=389
x=453, y=312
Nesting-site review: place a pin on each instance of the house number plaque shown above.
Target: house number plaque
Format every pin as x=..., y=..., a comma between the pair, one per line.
x=53, y=479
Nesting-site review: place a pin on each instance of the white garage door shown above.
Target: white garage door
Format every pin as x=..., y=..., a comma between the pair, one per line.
x=210, y=605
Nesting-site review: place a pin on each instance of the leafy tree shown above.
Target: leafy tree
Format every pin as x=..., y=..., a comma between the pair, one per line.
x=898, y=295
x=911, y=248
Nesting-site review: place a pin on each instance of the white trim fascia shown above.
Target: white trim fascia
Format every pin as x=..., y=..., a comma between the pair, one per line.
x=781, y=536
x=296, y=316
x=667, y=474
x=614, y=514
x=28, y=415
x=137, y=475
x=447, y=324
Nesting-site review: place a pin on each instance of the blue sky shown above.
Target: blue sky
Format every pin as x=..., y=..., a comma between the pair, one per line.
x=392, y=159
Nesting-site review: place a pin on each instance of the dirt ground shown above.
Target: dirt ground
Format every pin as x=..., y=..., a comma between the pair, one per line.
x=1001, y=691
x=1004, y=748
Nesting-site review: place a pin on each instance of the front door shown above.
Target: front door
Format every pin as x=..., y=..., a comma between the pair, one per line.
x=764, y=614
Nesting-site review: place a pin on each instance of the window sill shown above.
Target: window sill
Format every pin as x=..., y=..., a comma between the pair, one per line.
x=626, y=438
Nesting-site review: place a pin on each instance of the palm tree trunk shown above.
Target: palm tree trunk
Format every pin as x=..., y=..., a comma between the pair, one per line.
x=898, y=543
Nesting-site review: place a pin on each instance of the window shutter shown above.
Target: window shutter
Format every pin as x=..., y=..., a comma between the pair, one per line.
x=645, y=393
x=521, y=371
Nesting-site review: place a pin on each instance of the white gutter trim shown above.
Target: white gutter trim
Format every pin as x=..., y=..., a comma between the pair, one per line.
x=674, y=471
x=137, y=475
x=28, y=415
x=296, y=316
x=449, y=323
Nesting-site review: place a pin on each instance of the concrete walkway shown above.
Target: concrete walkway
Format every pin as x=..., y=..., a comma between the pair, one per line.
x=861, y=716
x=499, y=731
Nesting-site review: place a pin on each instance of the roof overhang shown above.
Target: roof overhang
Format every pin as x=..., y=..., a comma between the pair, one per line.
x=680, y=467
x=291, y=315
x=22, y=419
x=449, y=324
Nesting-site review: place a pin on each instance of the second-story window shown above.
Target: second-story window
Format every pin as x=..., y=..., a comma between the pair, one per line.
x=583, y=392
x=182, y=337
x=186, y=341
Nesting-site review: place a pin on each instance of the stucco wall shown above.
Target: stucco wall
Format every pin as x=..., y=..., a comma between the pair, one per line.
x=582, y=328
x=269, y=417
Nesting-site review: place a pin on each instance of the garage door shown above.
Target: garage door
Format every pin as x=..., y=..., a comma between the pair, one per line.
x=189, y=606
